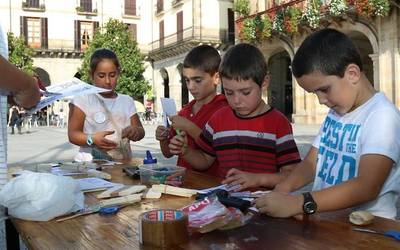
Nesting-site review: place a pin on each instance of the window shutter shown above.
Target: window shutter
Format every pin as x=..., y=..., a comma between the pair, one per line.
x=231, y=26
x=161, y=33
x=24, y=28
x=133, y=30
x=77, y=35
x=44, y=33
x=179, y=25
x=130, y=7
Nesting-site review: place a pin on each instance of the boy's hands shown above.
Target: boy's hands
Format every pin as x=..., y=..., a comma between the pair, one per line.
x=243, y=179
x=179, y=144
x=132, y=133
x=162, y=133
x=99, y=139
x=181, y=123
x=281, y=205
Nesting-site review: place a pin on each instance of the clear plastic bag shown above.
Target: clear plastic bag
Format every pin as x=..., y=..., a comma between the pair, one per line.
x=41, y=196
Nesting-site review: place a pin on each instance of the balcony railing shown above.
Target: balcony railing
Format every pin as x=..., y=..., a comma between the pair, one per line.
x=191, y=33
x=33, y=5
x=82, y=11
x=175, y=3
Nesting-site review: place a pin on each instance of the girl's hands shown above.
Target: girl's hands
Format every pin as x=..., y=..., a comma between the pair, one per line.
x=132, y=133
x=178, y=144
x=162, y=133
x=243, y=179
x=99, y=139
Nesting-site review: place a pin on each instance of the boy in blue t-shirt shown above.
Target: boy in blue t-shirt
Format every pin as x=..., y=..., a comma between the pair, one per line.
x=354, y=160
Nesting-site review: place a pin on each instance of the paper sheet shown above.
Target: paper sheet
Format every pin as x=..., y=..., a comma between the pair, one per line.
x=87, y=184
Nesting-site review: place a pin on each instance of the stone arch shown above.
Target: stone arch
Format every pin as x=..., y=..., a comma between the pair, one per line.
x=184, y=89
x=165, y=81
x=280, y=90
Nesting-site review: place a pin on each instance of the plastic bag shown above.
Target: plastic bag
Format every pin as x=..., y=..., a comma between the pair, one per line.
x=41, y=196
x=123, y=150
x=206, y=215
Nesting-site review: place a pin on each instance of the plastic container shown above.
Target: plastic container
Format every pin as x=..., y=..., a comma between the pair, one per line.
x=162, y=174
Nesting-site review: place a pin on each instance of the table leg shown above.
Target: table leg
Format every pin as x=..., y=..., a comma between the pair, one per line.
x=12, y=236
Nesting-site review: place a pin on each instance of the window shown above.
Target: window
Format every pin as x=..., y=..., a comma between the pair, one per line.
x=32, y=3
x=231, y=26
x=34, y=31
x=132, y=27
x=160, y=6
x=179, y=26
x=161, y=27
x=84, y=32
x=130, y=7
x=86, y=5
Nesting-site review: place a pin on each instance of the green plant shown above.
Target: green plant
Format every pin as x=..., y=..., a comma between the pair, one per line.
x=381, y=7
x=337, y=7
x=312, y=14
x=256, y=29
x=115, y=37
x=292, y=17
x=79, y=9
x=19, y=54
x=279, y=20
x=242, y=7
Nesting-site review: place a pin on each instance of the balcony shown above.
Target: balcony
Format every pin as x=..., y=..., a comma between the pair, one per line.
x=87, y=12
x=289, y=16
x=33, y=5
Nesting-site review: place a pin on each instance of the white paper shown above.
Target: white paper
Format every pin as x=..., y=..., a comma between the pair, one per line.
x=87, y=184
x=74, y=87
x=168, y=106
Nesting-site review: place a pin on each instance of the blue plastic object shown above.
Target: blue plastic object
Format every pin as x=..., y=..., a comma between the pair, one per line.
x=109, y=210
x=149, y=158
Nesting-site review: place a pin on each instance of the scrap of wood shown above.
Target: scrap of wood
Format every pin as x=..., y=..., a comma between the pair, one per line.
x=167, y=189
x=133, y=198
x=151, y=194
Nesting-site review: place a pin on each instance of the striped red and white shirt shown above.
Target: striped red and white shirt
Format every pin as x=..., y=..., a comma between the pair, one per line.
x=260, y=144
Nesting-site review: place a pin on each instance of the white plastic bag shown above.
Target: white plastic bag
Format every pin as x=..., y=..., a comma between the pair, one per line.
x=41, y=196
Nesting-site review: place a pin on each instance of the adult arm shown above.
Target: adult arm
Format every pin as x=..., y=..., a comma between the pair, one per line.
x=23, y=87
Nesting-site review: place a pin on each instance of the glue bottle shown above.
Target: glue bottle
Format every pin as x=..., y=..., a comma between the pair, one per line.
x=149, y=160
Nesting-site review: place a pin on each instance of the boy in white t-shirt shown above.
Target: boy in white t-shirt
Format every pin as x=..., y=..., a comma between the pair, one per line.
x=354, y=160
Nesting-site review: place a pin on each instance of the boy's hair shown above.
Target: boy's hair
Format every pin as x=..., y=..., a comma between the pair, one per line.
x=243, y=62
x=327, y=51
x=100, y=54
x=203, y=57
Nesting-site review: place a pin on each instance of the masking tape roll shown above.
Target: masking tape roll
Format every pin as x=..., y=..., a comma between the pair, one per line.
x=163, y=228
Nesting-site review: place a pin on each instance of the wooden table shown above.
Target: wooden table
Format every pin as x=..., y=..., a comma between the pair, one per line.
x=120, y=231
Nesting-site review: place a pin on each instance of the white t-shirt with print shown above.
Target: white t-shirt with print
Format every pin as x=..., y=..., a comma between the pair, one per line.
x=122, y=109
x=373, y=128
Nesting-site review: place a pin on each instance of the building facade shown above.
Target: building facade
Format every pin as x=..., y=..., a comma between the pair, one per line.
x=377, y=38
x=60, y=30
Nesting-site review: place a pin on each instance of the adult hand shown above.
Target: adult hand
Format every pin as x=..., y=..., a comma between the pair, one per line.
x=29, y=96
x=100, y=140
x=162, y=133
x=132, y=133
x=279, y=205
x=178, y=144
x=243, y=179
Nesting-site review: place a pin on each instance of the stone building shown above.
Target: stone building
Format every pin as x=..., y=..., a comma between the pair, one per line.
x=378, y=39
x=60, y=30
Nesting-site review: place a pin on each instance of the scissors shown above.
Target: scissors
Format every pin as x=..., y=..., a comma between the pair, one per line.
x=390, y=233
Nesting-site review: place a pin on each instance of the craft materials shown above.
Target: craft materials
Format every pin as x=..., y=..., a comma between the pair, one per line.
x=163, y=228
